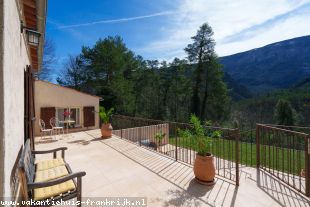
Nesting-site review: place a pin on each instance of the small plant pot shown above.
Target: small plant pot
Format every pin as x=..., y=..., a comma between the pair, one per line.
x=106, y=130
x=153, y=145
x=204, y=169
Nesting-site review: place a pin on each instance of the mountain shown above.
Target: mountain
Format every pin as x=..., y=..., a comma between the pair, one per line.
x=236, y=91
x=304, y=83
x=279, y=65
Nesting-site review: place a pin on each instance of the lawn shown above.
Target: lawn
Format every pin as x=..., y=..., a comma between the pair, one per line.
x=276, y=158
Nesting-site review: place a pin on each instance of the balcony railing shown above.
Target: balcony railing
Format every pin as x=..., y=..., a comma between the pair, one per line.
x=285, y=154
x=143, y=132
x=282, y=151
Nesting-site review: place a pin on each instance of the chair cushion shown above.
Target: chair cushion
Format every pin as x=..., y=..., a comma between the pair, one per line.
x=55, y=190
x=47, y=164
x=50, y=174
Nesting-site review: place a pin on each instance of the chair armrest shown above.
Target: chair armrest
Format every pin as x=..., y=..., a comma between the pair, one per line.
x=62, y=149
x=56, y=181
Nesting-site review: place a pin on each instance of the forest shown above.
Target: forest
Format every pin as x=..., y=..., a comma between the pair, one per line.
x=173, y=91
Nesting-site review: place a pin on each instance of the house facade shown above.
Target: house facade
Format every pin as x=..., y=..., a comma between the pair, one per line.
x=53, y=100
x=22, y=29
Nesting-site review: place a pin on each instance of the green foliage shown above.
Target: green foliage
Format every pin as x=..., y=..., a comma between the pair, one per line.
x=216, y=134
x=145, y=88
x=261, y=109
x=209, y=99
x=105, y=115
x=201, y=142
x=200, y=137
x=159, y=137
x=284, y=113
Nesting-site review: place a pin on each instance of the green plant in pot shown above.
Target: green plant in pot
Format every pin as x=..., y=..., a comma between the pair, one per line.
x=105, y=116
x=159, y=138
x=204, y=168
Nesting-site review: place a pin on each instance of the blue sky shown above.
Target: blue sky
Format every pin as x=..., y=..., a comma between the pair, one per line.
x=161, y=29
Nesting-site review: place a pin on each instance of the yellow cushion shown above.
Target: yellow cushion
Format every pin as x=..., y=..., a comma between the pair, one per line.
x=47, y=164
x=50, y=174
x=55, y=190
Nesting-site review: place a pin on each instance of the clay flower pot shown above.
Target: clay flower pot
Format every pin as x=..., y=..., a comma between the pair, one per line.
x=204, y=169
x=106, y=130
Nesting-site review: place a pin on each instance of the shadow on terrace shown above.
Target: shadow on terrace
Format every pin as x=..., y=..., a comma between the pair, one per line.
x=116, y=168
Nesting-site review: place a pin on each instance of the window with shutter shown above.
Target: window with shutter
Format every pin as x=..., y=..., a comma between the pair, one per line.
x=89, y=116
x=46, y=114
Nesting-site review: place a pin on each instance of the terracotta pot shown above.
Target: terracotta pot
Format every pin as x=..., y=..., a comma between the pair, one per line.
x=204, y=169
x=153, y=145
x=106, y=130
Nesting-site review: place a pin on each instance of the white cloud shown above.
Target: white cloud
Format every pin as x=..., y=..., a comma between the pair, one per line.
x=263, y=21
x=120, y=20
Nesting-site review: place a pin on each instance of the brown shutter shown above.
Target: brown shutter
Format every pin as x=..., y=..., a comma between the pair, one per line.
x=46, y=114
x=89, y=116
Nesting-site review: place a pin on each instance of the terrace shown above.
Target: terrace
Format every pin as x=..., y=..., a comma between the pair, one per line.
x=119, y=167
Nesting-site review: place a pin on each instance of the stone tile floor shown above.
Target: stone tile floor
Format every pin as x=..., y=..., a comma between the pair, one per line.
x=117, y=168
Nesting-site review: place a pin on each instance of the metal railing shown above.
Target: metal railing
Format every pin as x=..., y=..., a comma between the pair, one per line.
x=143, y=132
x=247, y=145
x=284, y=153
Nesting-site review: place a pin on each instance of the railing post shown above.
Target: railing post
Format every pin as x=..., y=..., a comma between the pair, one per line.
x=121, y=133
x=307, y=166
x=257, y=147
x=237, y=139
x=176, y=146
x=139, y=135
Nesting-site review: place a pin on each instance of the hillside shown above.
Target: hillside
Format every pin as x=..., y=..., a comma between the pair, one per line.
x=236, y=91
x=279, y=65
x=261, y=108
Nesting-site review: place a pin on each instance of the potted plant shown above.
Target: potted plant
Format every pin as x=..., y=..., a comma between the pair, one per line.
x=159, y=137
x=105, y=116
x=204, y=168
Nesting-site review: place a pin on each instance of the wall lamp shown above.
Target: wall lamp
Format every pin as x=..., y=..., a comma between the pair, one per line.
x=33, y=36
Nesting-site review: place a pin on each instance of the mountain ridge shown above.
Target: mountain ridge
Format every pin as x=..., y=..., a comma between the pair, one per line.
x=278, y=65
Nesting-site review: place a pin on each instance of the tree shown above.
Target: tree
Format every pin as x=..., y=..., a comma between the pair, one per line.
x=146, y=88
x=75, y=74
x=209, y=97
x=178, y=103
x=107, y=70
x=215, y=99
x=284, y=113
x=49, y=60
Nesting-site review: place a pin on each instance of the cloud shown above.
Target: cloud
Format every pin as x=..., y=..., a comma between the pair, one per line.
x=269, y=24
x=238, y=25
x=75, y=33
x=111, y=21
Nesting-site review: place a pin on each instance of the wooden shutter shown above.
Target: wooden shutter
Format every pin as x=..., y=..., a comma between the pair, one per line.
x=29, y=105
x=46, y=114
x=89, y=116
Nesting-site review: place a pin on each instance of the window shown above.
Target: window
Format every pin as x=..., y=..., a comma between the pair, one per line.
x=62, y=115
x=75, y=115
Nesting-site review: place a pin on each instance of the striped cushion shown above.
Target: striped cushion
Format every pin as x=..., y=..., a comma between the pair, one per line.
x=47, y=164
x=55, y=190
x=50, y=174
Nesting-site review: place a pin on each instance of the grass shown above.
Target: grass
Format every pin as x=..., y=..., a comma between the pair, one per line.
x=279, y=159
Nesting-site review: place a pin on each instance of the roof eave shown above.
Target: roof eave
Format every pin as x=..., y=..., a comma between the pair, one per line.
x=41, y=24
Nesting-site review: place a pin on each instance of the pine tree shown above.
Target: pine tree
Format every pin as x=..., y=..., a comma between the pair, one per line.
x=209, y=99
x=284, y=113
